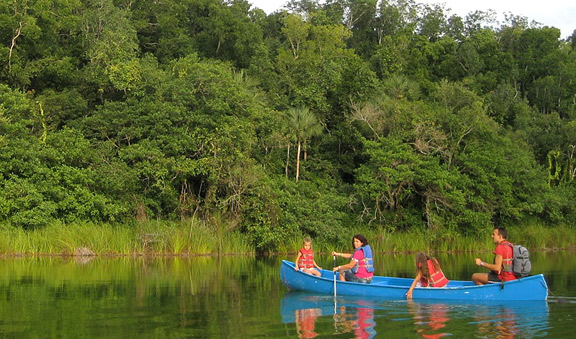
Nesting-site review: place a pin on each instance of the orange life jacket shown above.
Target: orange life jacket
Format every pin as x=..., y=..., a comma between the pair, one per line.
x=437, y=278
x=306, y=259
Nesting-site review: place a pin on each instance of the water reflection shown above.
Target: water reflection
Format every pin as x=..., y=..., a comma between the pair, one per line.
x=501, y=323
x=350, y=316
x=238, y=297
x=490, y=320
x=356, y=320
x=306, y=322
x=359, y=317
x=429, y=320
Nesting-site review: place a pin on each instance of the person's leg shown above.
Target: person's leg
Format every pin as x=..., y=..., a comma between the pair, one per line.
x=315, y=272
x=351, y=276
x=480, y=278
x=493, y=277
x=341, y=273
x=347, y=276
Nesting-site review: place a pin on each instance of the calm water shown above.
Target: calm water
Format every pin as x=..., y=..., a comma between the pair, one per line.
x=236, y=297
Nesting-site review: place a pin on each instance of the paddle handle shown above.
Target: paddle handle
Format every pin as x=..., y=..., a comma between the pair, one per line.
x=334, y=277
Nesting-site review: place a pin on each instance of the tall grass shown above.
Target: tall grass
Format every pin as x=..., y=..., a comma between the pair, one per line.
x=532, y=236
x=535, y=236
x=217, y=237
x=155, y=237
x=416, y=240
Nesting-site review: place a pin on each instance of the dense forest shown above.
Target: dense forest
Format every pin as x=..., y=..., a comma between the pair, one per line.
x=312, y=120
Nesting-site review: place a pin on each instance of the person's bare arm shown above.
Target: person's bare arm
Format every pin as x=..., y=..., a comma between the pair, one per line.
x=496, y=266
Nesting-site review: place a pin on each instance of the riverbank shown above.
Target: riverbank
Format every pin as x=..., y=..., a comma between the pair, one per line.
x=199, y=238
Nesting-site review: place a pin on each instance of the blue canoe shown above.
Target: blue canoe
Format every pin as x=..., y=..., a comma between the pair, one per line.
x=528, y=288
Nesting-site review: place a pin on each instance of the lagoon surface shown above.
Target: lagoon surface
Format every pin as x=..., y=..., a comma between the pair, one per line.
x=240, y=297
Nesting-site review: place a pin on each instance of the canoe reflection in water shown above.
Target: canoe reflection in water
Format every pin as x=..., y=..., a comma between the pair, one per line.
x=502, y=327
x=358, y=317
x=357, y=320
x=434, y=319
x=430, y=320
x=305, y=309
x=306, y=322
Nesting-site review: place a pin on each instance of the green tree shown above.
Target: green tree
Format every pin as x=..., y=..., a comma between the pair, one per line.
x=111, y=46
x=39, y=45
x=302, y=125
x=52, y=176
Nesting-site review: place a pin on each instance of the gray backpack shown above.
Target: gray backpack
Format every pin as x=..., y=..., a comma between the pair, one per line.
x=521, y=265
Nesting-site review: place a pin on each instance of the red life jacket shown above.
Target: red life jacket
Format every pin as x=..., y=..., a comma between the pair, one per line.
x=306, y=259
x=437, y=278
x=507, y=261
x=505, y=273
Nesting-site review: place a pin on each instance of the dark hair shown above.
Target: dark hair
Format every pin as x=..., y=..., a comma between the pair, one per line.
x=362, y=239
x=502, y=231
x=421, y=264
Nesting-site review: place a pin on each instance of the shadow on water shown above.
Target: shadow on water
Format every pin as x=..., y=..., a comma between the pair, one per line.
x=364, y=317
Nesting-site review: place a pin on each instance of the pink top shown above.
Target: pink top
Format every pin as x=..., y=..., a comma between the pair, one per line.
x=362, y=273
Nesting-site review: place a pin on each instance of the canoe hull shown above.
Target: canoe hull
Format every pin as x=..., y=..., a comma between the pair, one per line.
x=529, y=288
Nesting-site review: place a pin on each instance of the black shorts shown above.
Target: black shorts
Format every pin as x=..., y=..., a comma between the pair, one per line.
x=349, y=276
x=493, y=277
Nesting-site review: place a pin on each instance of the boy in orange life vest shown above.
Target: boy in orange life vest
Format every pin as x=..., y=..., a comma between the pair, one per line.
x=428, y=273
x=502, y=259
x=305, y=259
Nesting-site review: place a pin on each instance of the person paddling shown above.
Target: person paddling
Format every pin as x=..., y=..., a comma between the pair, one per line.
x=500, y=270
x=360, y=268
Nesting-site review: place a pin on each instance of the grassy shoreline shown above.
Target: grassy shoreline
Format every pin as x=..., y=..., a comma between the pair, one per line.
x=200, y=239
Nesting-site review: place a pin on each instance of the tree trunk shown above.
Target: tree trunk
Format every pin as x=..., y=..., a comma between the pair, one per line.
x=13, y=44
x=287, y=160
x=298, y=161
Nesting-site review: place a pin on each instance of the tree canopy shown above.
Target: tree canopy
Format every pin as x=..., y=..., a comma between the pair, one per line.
x=311, y=120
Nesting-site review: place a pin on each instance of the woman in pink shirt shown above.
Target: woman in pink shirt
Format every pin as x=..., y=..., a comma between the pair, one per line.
x=360, y=268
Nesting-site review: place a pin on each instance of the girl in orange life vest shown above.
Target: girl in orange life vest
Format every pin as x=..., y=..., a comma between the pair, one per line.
x=305, y=259
x=428, y=273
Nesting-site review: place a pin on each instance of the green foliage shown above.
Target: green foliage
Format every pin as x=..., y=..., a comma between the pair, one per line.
x=54, y=181
x=393, y=116
x=322, y=216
